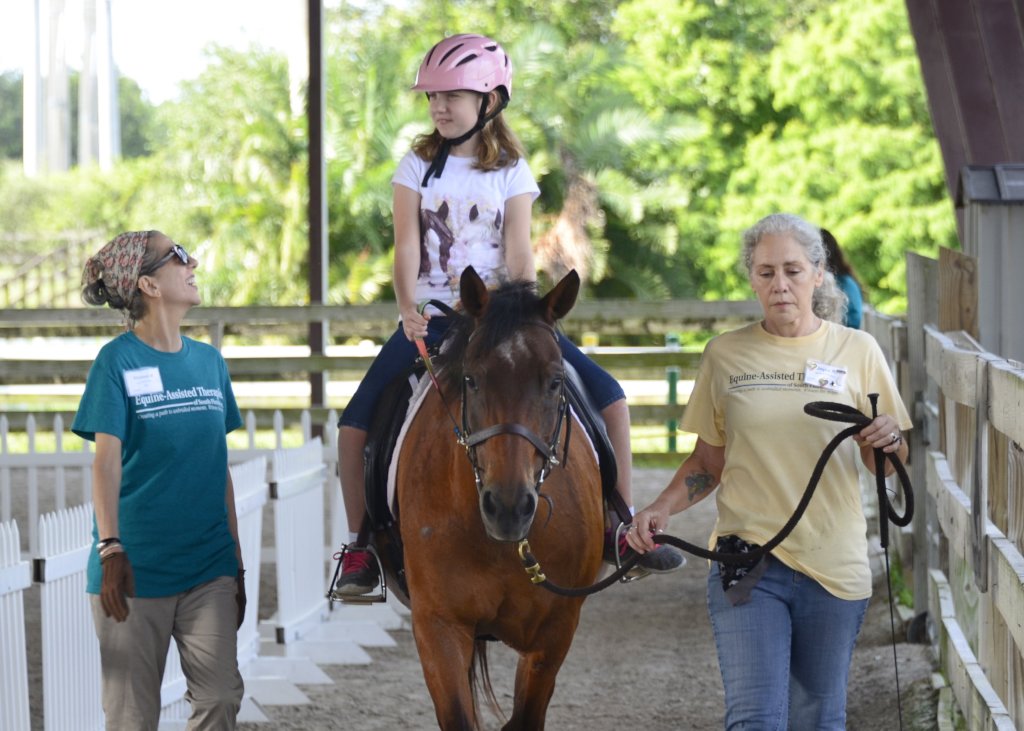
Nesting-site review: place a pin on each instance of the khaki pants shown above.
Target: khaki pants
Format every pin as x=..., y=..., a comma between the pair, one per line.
x=133, y=654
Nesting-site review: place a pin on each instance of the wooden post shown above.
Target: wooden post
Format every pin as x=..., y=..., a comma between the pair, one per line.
x=922, y=308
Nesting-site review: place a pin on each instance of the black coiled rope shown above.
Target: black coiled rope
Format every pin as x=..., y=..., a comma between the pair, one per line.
x=831, y=411
x=823, y=410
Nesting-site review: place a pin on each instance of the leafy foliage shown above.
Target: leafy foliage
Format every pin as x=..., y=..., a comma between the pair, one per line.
x=657, y=129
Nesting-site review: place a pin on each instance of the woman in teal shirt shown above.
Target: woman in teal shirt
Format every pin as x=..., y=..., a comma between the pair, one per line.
x=846, y=278
x=167, y=561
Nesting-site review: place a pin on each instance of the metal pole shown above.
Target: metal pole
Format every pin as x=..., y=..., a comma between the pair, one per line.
x=317, y=200
x=672, y=373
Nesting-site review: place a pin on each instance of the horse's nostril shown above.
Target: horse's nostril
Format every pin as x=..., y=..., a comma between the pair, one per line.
x=488, y=503
x=529, y=505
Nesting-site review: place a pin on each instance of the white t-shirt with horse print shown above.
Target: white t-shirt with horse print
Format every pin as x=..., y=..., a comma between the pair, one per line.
x=462, y=221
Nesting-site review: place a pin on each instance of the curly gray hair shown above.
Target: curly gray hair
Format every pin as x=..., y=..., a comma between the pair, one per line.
x=829, y=302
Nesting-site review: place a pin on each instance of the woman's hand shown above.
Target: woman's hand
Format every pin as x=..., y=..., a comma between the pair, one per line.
x=414, y=325
x=882, y=433
x=647, y=523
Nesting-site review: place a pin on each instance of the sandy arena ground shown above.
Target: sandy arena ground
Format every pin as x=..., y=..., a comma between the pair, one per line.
x=643, y=657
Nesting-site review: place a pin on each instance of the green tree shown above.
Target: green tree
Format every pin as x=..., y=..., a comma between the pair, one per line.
x=816, y=107
x=854, y=148
x=235, y=157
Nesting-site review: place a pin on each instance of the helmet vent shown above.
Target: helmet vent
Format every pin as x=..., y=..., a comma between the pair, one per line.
x=466, y=60
x=445, y=56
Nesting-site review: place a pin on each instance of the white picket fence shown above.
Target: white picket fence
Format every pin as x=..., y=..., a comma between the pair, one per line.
x=273, y=655
x=15, y=577
x=71, y=653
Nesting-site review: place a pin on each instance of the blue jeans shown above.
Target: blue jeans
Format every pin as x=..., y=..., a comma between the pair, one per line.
x=784, y=655
x=398, y=354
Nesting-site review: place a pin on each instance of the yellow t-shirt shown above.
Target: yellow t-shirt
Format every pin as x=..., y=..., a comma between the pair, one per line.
x=749, y=397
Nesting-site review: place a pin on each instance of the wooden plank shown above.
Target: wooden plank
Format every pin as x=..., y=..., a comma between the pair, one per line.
x=935, y=345
x=949, y=126
x=1007, y=571
x=978, y=701
x=958, y=292
x=639, y=414
x=998, y=481
x=1006, y=399
x=596, y=312
x=958, y=379
x=1001, y=26
x=922, y=304
x=626, y=363
x=951, y=503
x=971, y=72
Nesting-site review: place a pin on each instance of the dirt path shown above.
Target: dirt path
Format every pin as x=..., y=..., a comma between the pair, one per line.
x=643, y=656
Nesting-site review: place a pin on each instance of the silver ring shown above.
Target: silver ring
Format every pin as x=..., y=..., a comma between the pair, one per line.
x=894, y=437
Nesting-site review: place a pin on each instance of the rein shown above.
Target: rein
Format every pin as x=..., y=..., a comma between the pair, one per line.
x=823, y=410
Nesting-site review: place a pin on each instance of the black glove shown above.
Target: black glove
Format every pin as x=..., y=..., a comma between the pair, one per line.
x=118, y=582
x=240, y=596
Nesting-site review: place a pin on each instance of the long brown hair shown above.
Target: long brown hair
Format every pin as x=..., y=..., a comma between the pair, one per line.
x=498, y=145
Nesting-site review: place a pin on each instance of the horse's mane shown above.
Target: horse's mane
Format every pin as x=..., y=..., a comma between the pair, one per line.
x=509, y=306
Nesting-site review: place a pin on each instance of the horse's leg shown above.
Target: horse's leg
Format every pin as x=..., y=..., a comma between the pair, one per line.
x=446, y=653
x=536, y=672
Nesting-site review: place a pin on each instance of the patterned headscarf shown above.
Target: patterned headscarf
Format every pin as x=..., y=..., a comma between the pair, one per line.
x=118, y=264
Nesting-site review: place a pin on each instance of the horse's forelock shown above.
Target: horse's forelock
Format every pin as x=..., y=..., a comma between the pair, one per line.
x=509, y=308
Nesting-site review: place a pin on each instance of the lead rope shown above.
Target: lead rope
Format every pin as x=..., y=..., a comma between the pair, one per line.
x=421, y=347
x=831, y=411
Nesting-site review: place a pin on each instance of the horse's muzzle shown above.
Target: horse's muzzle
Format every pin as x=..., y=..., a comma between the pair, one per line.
x=507, y=512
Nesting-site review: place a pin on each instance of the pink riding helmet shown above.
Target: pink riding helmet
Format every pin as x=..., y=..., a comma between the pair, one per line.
x=465, y=61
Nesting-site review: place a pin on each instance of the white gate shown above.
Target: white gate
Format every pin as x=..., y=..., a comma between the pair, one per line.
x=15, y=577
x=71, y=652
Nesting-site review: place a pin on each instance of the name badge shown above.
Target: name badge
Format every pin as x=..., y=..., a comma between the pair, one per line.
x=141, y=381
x=823, y=375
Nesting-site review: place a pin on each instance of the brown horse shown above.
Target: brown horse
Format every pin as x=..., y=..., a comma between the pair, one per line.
x=464, y=503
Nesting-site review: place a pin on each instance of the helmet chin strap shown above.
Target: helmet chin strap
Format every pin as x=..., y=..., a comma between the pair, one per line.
x=438, y=163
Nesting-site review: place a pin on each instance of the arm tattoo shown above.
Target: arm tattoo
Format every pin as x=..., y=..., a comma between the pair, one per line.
x=699, y=483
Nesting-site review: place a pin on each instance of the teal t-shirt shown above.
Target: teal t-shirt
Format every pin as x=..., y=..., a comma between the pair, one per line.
x=172, y=412
x=855, y=301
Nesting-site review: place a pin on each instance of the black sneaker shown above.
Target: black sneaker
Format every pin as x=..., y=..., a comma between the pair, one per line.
x=359, y=574
x=661, y=560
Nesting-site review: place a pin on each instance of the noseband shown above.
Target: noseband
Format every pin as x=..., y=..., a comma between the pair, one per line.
x=548, y=450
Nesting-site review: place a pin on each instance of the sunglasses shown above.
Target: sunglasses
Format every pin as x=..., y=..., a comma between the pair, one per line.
x=176, y=251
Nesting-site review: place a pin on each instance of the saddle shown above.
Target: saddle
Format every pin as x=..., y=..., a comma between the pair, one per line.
x=382, y=439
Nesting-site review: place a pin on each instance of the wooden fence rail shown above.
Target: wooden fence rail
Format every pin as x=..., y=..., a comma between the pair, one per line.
x=626, y=363
x=606, y=317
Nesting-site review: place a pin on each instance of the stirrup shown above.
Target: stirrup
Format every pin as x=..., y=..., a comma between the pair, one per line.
x=371, y=598
x=634, y=574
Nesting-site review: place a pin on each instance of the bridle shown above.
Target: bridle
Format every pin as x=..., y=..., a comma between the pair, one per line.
x=548, y=450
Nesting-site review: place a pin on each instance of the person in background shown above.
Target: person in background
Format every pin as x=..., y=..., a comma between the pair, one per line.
x=166, y=560
x=785, y=628
x=462, y=196
x=846, y=278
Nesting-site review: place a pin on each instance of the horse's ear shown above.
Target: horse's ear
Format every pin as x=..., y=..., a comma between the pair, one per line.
x=562, y=297
x=473, y=292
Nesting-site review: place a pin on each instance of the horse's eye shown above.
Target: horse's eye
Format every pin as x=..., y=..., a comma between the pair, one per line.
x=470, y=381
x=556, y=384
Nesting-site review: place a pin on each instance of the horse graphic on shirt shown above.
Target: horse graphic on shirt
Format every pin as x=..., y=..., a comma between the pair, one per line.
x=436, y=240
x=478, y=243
